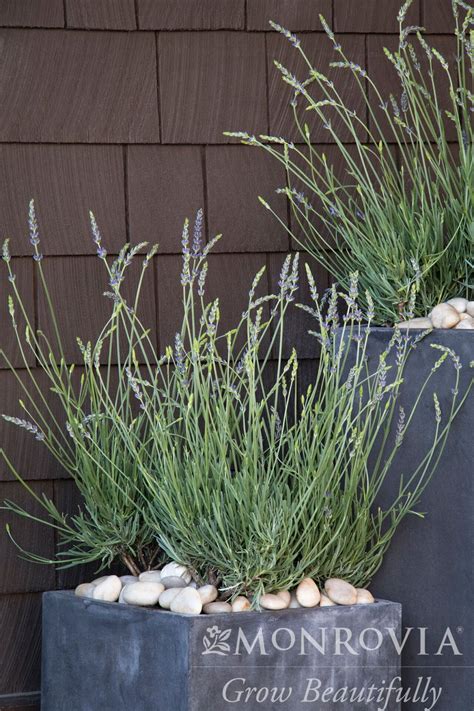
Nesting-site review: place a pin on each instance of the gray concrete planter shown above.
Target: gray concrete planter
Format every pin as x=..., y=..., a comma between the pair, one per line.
x=109, y=657
x=428, y=567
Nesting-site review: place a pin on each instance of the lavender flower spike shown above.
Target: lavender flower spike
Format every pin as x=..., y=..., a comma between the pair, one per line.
x=197, y=234
x=6, y=251
x=26, y=425
x=96, y=236
x=33, y=225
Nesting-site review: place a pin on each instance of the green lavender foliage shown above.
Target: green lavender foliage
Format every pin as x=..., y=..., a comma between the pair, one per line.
x=110, y=524
x=404, y=218
x=213, y=453
x=254, y=484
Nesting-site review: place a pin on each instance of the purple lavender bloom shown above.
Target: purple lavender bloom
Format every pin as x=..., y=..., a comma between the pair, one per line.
x=6, y=251
x=179, y=353
x=33, y=225
x=197, y=234
x=96, y=236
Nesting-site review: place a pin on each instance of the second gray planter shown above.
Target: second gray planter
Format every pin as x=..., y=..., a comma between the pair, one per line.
x=428, y=567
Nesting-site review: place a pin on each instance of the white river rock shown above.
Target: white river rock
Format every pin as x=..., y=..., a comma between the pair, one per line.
x=241, y=604
x=340, y=591
x=217, y=607
x=465, y=323
x=167, y=596
x=422, y=323
x=173, y=581
x=176, y=570
x=128, y=579
x=307, y=593
x=364, y=597
x=187, y=602
x=150, y=576
x=326, y=601
x=459, y=304
x=142, y=594
x=107, y=590
x=269, y=601
x=444, y=316
x=84, y=590
x=207, y=593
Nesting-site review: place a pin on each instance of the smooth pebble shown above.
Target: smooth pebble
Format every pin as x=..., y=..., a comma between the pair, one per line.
x=143, y=594
x=241, y=604
x=176, y=570
x=364, y=597
x=121, y=600
x=422, y=323
x=150, y=576
x=207, y=593
x=216, y=608
x=128, y=579
x=108, y=590
x=294, y=604
x=187, y=602
x=269, y=601
x=458, y=303
x=285, y=595
x=340, y=591
x=326, y=601
x=173, y=581
x=470, y=308
x=465, y=324
x=167, y=596
x=96, y=581
x=307, y=593
x=84, y=590
x=444, y=316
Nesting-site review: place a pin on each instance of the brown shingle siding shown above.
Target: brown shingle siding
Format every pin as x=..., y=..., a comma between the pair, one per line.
x=73, y=86
x=211, y=82
x=31, y=13
x=191, y=14
x=19, y=575
x=22, y=273
x=66, y=182
x=294, y=15
x=101, y=14
x=236, y=176
x=366, y=15
x=165, y=185
x=20, y=622
x=437, y=16
x=31, y=459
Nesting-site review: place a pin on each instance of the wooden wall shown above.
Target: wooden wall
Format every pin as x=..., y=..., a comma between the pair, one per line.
x=119, y=106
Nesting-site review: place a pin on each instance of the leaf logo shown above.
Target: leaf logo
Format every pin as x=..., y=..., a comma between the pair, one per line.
x=215, y=642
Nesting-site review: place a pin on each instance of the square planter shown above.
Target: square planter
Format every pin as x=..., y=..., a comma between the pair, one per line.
x=428, y=567
x=105, y=656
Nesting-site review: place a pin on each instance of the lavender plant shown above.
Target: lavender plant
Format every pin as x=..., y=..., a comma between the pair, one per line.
x=406, y=225
x=110, y=524
x=254, y=482
x=213, y=452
